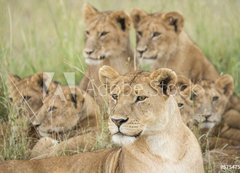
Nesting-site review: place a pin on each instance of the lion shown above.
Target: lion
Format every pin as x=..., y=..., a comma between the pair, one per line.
x=27, y=94
x=145, y=120
x=183, y=98
x=106, y=43
x=68, y=119
x=161, y=42
x=210, y=100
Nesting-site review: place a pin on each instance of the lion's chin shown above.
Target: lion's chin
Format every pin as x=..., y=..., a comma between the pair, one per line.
x=207, y=125
x=120, y=139
x=91, y=61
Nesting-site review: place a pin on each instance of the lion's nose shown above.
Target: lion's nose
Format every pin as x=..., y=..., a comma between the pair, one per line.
x=206, y=116
x=88, y=51
x=119, y=121
x=141, y=50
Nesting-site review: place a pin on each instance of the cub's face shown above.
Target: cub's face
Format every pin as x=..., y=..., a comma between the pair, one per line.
x=182, y=96
x=210, y=101
x=156, y=34
x=27, y=94
x=138, y=103
x=106, y=35
x=61, y=111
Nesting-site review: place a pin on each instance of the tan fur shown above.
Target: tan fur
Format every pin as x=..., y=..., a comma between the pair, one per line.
x=210, y=100
x=106, y=43
x=182, y=96
x=161, y=42
x=66, y=114
x=153, y=137
x=27, y=93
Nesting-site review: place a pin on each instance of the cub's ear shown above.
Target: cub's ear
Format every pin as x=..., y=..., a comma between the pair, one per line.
x=174, y=20
x=89, y=12
x=121, y=19
x=75, y=95
x=13, y=79
x=106, y=75
x=225, y=84
x=40, y=79
x=164, y=79
x=183, y=86
x=137, y=15
x=196, y=91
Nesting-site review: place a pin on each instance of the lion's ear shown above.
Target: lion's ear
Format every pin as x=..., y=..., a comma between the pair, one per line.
x=164, y=79
x=196, y=91
x=225, y=84
x=106, y=75
x=184, y=85
x=89, y=12
x=174, y=20
x=137, y=15
x=13, y=79
x=121, y=19
x=40, y=79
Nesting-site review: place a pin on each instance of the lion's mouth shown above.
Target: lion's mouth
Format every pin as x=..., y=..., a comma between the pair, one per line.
x=100, y=58
x=123, y=134
x=150, y=58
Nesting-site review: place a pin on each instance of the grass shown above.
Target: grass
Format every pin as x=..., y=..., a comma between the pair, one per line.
x=48, y=36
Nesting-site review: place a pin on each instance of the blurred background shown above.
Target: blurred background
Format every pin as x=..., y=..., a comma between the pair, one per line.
x=47, y=35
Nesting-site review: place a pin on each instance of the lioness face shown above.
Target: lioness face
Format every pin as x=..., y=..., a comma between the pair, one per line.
x=156, y=34
x=137, y=103
x=27, y=94
x=107, y=33
x=60, y=111
x=210, y=100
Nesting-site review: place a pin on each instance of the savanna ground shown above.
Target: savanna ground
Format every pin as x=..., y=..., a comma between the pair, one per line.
x=48, y=35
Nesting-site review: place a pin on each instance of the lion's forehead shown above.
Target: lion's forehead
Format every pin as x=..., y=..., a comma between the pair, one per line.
x=133, y=82
x=101, y=23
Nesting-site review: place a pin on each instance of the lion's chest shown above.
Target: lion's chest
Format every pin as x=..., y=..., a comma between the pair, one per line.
x=164, y=167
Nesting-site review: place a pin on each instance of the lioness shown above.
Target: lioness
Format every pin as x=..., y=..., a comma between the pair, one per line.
x=145, y=120
x=161, y=42
x=67, y=113
x=106, y=43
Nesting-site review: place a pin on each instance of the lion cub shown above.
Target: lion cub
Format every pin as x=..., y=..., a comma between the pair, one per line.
x=106, y=43
x=210, y=100
x=27, y=94
x=161, y=42
x=144, y=120
x=69, y=116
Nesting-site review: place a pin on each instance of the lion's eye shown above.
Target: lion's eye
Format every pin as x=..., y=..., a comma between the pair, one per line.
x=139, y=33
x=156, y=34
x=193, y=96
x=103, y=33
x=115, y=96
x=26, y=98
x=215, y=98
x=141, y=98
x=52, y=108
x=87, y=33
x=180, y=105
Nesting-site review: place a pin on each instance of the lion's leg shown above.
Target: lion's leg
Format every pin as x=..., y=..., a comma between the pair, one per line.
x=231, y=134
x=48, y=147
x=232, y=118
x=42, y=148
